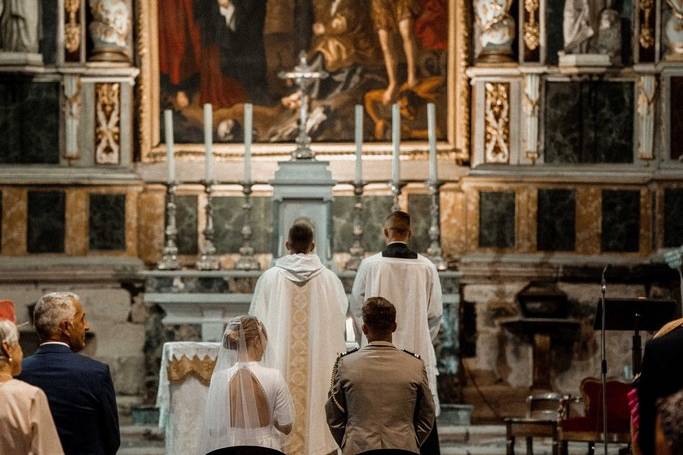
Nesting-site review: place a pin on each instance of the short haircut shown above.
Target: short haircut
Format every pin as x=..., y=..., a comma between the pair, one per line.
x=379, y=313
x=300, y=237
x=8, y=333
x=398, y=222
x=51, y=310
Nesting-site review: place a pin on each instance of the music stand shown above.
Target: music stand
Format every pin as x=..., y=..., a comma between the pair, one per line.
x=635, y=315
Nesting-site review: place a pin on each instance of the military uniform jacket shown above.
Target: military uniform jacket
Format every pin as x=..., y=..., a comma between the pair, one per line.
x=380, y=399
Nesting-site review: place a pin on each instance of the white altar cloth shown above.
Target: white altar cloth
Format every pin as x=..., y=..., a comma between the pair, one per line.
x=181, y=398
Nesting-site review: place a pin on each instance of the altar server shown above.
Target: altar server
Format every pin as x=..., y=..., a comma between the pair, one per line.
x=303, y=307
x=410, y=281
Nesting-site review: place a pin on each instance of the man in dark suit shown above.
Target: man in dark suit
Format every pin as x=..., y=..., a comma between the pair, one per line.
x=380, y=397
x=661, y=376
x=79, y=389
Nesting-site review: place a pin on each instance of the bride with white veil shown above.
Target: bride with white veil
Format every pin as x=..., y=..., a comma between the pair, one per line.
x=248, y=403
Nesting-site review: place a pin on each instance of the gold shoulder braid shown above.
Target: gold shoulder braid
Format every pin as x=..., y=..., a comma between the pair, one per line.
x=335, y=370
x=417, y=356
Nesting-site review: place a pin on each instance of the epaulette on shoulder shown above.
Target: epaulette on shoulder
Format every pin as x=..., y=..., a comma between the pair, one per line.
x=417, y=356
x=344, y=354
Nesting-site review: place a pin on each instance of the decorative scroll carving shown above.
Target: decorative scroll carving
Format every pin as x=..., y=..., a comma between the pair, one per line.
x=532, y=33
x=497, y=122
x=461, y=55
x=108, y=123
x=647, y=34
x=531, y=97
x=180, y=369
x=72, y=115
x=647, y=92
x=72, y=27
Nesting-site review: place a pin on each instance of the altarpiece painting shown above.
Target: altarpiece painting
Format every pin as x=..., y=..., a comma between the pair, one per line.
x=230, y=52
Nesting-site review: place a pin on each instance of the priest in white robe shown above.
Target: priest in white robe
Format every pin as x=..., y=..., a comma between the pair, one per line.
x=303, y=306
x=411, y=282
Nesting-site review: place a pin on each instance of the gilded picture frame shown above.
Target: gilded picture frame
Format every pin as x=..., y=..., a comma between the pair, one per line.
x=456, y=145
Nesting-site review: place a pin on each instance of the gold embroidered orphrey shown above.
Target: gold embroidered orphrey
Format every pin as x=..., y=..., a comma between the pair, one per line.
x=297, y=370
x=148, y=86
x=179, y=369
x=497, y=122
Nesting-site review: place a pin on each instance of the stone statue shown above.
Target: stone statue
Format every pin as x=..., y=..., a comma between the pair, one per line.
x=592, y=32
x=608, y=41
x=674, y=31
x=580, y=24
x=20, y=26
x=110, y=29
x=496, y=29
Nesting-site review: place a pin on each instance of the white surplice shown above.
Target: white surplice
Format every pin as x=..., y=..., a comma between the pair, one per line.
x=303, y=307
x=413, y=286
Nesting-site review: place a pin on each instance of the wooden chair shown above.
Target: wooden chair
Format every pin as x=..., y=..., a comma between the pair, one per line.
x=544, y=412
x=588, y=428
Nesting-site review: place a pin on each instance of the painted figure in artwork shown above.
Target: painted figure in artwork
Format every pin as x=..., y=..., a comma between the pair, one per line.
x=20, y=26
x=389, y=17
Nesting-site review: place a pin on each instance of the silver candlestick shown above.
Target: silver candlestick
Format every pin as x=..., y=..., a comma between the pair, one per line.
x=357, y=251
x=169, y=260
x=247, y=261
x=396, y=192
x=434, y=251
x=207, y=258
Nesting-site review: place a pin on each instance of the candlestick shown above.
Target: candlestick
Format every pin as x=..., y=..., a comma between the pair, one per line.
x=395, y=145
x=248, y=114
x=357, y=251
x=169, y=259
x=434, y=252
x=247, y=261
x=207, y=258
x=208, y=142
x=359, y=144
x=170, y=158
x=431, y=131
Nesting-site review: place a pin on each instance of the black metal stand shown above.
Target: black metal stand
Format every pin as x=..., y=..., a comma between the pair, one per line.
x=603, y=355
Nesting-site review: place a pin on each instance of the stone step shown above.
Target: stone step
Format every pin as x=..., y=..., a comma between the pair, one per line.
x=539, y=448
x=472, y=434
x=141, y=451
x=141, y=436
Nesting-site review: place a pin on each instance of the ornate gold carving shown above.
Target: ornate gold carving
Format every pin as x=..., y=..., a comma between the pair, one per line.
x=108, y=127
x=647, y=38
x=297, y=370
x=72, y=28
x=497, y=122
x=462, y=92
x=180, y=369
x=532, y=34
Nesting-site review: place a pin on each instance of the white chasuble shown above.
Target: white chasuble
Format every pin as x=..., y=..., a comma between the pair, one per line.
x=303, y=307
x=413, y=286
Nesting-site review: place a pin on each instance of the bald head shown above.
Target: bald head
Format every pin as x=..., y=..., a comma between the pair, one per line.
x=397, y=227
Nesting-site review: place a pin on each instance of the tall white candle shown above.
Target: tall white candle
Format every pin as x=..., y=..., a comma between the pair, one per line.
x=395, y=144
x=359, y=143
x=170, y=158
x=208, y=142
x=431, y=130
x=247, y=141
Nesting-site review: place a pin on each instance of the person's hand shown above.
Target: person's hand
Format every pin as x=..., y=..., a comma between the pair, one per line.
x=318, y=28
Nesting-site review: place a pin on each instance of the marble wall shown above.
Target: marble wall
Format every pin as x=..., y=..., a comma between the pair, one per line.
x=186, y=222
x=48, y=39
x=107, y=222
x=46, y=222
x=589, y=122
x=620, y=221
x=24, y=140
x=229, y=219
x=673, y=217
x=676, y=134
x=556, y=223
x=496, y=219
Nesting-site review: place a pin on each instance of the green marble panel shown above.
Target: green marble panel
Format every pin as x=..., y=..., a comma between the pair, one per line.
x=375, y=209
x=620, y=220
x=29, y=121
x=48, y=40
x=186, y=222
x=107, y=222
x=589, y=122
x=45, y=232
x=496, y=219
x=229, y=218
x=556, y=222
x=419, y=207
x=673, y=217
x=1, y=214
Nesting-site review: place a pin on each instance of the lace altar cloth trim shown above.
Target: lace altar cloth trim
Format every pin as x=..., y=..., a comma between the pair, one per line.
x=200, y=368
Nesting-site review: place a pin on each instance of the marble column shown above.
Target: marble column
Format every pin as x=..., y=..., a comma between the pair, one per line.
x=647, y=94
x=532, y=83
x=72, y=114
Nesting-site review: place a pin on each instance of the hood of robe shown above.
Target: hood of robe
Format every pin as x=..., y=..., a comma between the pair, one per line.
x=300, y=268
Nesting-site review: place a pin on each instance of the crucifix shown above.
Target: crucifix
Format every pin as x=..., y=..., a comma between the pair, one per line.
x=303, y=75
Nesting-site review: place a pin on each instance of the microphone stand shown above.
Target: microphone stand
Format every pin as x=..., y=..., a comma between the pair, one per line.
x=603, y=355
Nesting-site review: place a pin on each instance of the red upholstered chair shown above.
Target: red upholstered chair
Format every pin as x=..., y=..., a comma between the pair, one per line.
x=588, y=428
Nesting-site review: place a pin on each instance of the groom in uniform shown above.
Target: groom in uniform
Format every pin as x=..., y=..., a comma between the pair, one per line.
x=410, y=281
